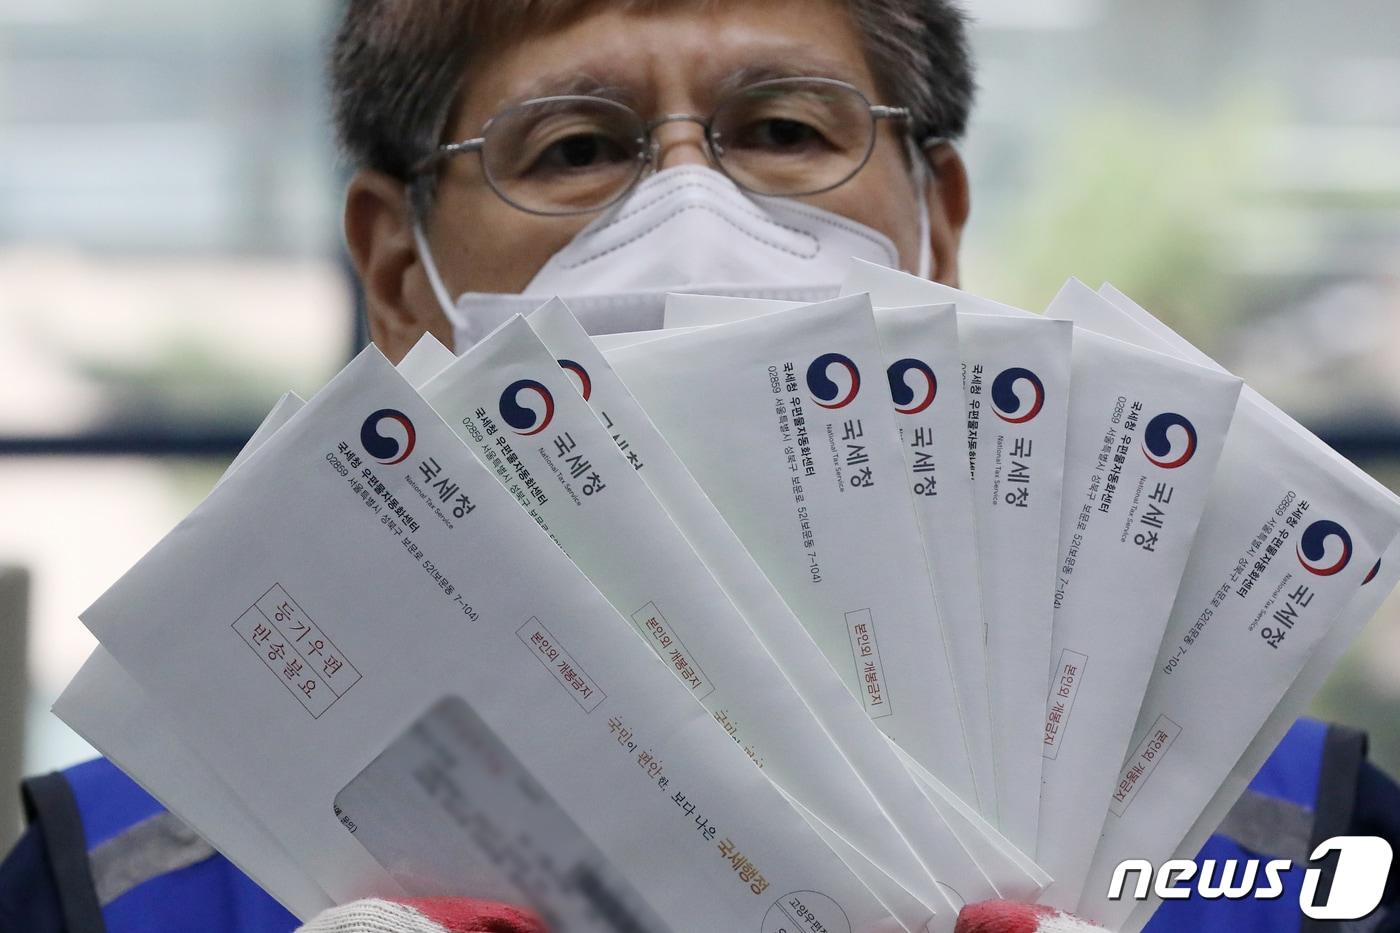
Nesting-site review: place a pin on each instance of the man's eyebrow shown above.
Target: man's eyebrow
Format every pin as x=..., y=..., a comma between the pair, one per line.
x=807, y=66
x=614, y=85
x=592, y=84
x=603, y=82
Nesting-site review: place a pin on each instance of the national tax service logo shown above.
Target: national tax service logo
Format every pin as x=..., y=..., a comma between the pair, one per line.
x=527, y=406
x=912, y=386
x=585, y=384
x=1007, y=399
x=388, y=436
x=1157, y=440
x=1314, y=552
x=828, y=393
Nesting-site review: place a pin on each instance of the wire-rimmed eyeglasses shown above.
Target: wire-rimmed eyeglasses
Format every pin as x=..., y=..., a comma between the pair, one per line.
x=574, y=154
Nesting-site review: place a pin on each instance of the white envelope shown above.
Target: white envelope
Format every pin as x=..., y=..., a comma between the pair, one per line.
x=923, y=351
x=1159, y=334
x=1146, y=431
x=808, y=472
x=1362, y=608
x=1017, y=876
x=606, y=343
x=1023, y=360
x=516, y=407
x=288, y=405
x=105, y=706
x=1262, y=567
x=111, y=711
x=921, y=356
x=898, y=901
x=424, y=360
x=1382, y=579
x=782, y=634
x=1017, y=381
x=308, y=539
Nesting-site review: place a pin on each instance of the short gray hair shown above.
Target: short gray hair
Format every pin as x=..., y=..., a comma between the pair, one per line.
x=395, y=65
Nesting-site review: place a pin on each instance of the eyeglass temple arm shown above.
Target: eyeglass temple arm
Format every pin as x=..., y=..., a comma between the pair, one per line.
x=446, y=150
x=881, y=112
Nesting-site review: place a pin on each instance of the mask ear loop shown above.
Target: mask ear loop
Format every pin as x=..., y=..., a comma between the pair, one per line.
x=923, y=176
x=430, y=269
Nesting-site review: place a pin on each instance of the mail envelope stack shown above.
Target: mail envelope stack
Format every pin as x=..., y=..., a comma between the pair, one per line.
x=826, y=617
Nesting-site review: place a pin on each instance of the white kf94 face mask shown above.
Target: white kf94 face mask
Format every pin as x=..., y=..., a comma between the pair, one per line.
x=684, y=229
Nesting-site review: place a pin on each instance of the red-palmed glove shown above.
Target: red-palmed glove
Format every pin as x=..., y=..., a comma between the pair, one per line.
x=1011, y=917
x=424, y=915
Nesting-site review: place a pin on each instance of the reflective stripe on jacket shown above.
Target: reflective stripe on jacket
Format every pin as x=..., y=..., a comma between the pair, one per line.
x=118, y=862
x=1305, y=793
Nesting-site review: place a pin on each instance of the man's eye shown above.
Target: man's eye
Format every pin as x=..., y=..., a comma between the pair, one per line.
x=781, y=135
x=581, y=151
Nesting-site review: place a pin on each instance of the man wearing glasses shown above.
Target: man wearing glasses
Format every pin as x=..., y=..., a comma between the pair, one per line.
x=608, y=152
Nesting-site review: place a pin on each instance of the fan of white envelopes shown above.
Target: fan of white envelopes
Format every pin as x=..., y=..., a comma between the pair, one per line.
x=786, y=617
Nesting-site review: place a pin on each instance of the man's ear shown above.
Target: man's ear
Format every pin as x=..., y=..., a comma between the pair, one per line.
x=949, y=202
x=379, y=233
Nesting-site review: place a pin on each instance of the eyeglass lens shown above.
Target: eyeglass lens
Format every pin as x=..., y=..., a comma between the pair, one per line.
x=573, y=154
x=564, y=155
x=792, y=137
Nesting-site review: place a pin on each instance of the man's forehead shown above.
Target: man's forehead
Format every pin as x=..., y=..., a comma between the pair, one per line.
x=629, y=54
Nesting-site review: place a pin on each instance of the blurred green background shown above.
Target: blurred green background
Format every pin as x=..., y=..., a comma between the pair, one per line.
x=1236, y=169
